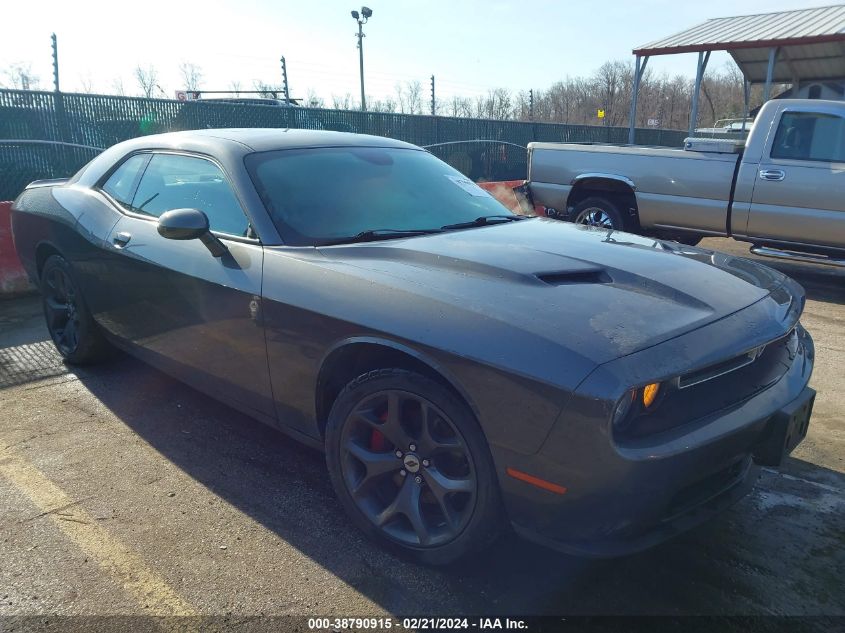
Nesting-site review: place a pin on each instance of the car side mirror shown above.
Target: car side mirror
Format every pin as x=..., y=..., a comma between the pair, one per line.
x=190, y=224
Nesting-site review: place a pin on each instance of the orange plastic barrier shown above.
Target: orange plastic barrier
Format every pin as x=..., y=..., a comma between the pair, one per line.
x=504, y=192
x=13, y=278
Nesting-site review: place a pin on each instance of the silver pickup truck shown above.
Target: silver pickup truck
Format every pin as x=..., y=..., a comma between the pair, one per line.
x=783, y=189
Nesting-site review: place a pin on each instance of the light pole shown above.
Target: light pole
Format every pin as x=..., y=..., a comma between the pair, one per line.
x=362, y=18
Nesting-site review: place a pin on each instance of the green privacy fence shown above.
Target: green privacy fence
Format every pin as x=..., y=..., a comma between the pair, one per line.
x=70, y=128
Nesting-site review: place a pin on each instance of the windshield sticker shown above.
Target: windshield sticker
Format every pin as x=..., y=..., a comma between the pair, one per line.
x=467, y=185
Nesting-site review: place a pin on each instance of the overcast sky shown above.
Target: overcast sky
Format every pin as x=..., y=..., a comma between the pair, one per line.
x=469, y=45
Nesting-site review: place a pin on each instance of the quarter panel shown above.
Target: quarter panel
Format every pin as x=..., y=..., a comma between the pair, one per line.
x=50, y=215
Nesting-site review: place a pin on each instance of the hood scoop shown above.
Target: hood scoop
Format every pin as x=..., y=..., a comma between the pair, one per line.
x=570, y=277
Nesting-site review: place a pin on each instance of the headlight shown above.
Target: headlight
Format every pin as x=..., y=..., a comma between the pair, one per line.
x=623, y=408
x=635, y=402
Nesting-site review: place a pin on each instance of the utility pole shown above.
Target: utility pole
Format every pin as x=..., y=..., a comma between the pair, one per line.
x=361, y=63
x=433, y=101
x=59, y=105
x=362, y=18
x=531, y=104
x=285, y=80
x=55, y=62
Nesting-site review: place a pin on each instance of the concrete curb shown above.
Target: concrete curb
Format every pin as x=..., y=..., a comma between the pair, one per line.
x=13, y=278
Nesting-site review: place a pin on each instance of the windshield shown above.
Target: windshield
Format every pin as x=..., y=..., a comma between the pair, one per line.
x=320, y=196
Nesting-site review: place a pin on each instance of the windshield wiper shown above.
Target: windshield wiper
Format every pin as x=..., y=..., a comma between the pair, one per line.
x=483, y=221
x=380, y=234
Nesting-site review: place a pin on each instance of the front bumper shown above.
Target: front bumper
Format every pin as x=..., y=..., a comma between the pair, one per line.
x=623, y=499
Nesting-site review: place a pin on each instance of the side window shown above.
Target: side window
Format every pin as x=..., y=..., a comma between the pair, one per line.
x=121, y=183
x=184, y=182
x=810, y=136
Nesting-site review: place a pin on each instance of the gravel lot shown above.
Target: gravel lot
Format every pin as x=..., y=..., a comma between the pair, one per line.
x=123, y=492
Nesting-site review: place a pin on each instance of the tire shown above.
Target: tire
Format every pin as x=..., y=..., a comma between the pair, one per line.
x=450, y=483
x=599, y=212
x=72, y=328
x=689, y=239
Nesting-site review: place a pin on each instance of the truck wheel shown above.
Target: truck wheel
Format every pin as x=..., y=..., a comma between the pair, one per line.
x=689, y=240
x=599, y=212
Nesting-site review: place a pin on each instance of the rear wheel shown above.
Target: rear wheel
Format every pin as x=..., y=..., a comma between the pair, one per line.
x=411, y=466
x=599, y=212
x=69, y=322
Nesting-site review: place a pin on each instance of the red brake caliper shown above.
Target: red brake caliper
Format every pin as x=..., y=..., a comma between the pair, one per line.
x=377, y=438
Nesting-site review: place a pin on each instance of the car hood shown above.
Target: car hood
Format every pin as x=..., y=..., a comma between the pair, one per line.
x=600, y=293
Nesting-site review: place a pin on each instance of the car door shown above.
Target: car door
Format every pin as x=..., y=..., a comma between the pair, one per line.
x=194, y=315
x=797, y=191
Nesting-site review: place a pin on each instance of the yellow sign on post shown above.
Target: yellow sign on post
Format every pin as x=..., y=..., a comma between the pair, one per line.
x=600, y=114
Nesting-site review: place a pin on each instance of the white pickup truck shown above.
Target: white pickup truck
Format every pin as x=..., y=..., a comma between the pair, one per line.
x=783, y=189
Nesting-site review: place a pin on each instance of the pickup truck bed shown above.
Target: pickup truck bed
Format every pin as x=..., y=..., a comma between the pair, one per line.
x=674, y=188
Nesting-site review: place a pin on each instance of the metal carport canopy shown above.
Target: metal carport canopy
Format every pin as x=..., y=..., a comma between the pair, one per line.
x=783, y=47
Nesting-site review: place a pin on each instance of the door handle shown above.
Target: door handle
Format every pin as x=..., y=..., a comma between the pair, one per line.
x=772, y=174
x=121, y=239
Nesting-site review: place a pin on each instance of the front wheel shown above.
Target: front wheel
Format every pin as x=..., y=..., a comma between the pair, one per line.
x=599, y=212
x=71, y=326
x=412, y=468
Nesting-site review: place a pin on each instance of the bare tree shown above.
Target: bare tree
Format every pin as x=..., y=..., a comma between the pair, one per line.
x=87, y=83
x=268, y=91
x=19, y=76
x=147, y=79
x=413, y=96
x=313, y=100
x=235, y=86
x=522, y=107
x=117, y=86
x=191, y=76
x=408, y=97
x=611, y=82
x=497, y=104
x=343, y=102
x=388, y=104
x=401, y=103
x=459, y=107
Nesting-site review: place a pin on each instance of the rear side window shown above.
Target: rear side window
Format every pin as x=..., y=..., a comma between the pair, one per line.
x=185, y=182
x=121, y=184
x=810, y=136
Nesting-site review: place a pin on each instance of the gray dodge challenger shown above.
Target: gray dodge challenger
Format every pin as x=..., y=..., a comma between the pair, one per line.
x=464, y=369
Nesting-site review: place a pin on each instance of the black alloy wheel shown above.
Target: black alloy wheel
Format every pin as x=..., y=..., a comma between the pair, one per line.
x=408, y=468
x=71, y=326
x=61, y=309
x=412, y=467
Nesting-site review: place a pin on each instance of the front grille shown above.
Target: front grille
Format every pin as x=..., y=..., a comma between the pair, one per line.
x=738, y=362
x=717, y=387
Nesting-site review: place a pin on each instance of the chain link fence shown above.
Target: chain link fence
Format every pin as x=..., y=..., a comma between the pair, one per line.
x=52, y=135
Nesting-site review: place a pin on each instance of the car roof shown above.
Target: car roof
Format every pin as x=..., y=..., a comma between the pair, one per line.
x=266, y=139
x=229, y=146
